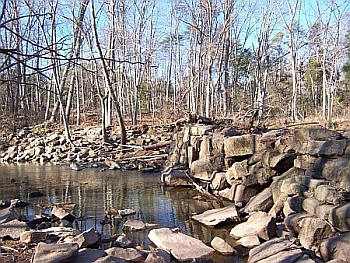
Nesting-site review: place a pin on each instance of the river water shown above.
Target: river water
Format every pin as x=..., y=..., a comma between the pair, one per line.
x=95, y=191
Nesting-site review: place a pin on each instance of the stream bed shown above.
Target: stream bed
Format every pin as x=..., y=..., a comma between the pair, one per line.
x=96, y=190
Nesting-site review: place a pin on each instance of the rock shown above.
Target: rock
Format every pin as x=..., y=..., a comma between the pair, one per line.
x=340, y=216
x=330, y=195
x=200, y=130
x=88, y=255
x=315, y=133
x=127, y=254
x=62, y=214
x=313, y=231
x=336, y=248
x=292, y=222
x=249, y=241
x=218, y=181
x=126, y=212
x=323, y=148
x=261, y=202
x=238, y=146
x=109, y=259
x=201, y=169
x=7, y=214
x=272, y=248
x=293, y=204
x=222, y=246
x=181, y=246
x=292, y=256
x=13, y=229
x=33, y=236
x=236, y=172
x=85, y=239
x=277, y=161
x=336, y=170
x=76, y=167
x=35, y=193
x=158, y=256
x=175, y=177
x=112, y=164
x=123, y=242
x=259, y=224
x=134, y=225
x=214, y=217
x=55, y=253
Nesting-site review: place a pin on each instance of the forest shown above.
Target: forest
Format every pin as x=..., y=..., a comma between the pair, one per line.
x=120, y=62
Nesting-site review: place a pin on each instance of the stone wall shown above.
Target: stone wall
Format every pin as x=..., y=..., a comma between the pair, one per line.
x=300, y=177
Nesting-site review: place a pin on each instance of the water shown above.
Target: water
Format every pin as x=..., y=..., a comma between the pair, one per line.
x=95, y=191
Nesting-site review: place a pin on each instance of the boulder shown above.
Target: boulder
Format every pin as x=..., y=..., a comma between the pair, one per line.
x=336, y=248
x=263, y=252
x=261, y=202
x=337, y=171
x=126, y=212
x=278, y=161
x=158, y=256
x=55, y=253
x=222, y=246
x=200, y=129
x=7, y=214
x=340, y=217
x=259, y=223
x=236, y=172
x=126, y=254
x=292, y=222
x=33, y=236
x=316, y=133
x=123, y=242
x=239, y=146
x=206, y=148
x=88, y=255
x=330, y=195
x=218, y=181
x=85, y=239
x=181, y=246
x=201, y=169
x=323, y=148
x=175, y=177
x=313, y=231
x=249, y=241
x=214, y=217
x=134, y=225
x=62, y=214
x=13, y=229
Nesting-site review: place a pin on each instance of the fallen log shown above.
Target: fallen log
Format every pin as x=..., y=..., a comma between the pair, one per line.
x=156, y=146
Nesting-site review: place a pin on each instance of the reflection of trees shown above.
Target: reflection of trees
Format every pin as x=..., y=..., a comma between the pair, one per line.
x=94, y=192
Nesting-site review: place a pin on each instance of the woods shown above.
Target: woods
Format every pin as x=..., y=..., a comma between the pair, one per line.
x=121, y=61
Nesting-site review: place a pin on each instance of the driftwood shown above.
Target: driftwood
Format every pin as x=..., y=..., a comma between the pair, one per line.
x=156, y=146
x=201, y=189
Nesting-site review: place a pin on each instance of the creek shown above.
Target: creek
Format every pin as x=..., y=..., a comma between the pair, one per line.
x=95, y=191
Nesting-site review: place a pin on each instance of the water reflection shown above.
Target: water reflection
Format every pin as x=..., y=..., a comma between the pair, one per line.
x=94, y=192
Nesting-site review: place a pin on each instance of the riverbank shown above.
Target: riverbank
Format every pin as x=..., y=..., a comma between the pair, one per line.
x=145, y=149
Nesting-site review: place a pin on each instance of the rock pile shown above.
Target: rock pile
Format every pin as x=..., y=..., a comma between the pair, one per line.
x=145, y=149
x=291, y=188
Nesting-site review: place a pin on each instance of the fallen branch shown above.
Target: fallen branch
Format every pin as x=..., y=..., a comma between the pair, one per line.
x=156, y=146
x=201, y=189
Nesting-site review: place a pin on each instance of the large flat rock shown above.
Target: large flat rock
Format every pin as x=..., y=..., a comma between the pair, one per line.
x=260, y=224
x=213, y=217
x=181, y=246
